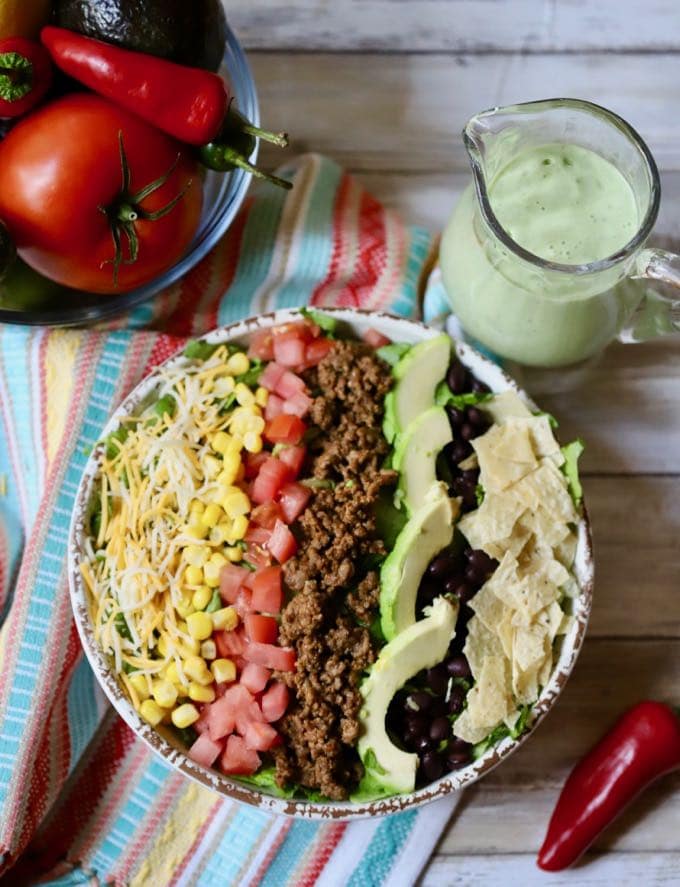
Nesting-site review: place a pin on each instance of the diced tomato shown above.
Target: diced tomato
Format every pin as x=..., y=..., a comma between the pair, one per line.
x=273, y=475
x=289, y=351
x=238, y=758
x=262, y=345
x=201, y=725
x=293, y=499
x=230, y=643
x=294, y=457
x=317, y=350
x=274, y=407
x=231, y=579
x=289, y=384
x=282, y=543
x=259, y=535
x=257, y=556
x=264, y=516
x=276, y=658
x=297, y=329
x=221, y=718
x=262, y=629
x=271, y=375
x=297, y=405
x=244, y=707
x=275, y=701
x=267, y=590
x=254, y=677
x=243, y=603
x=205, y=751
x=260, y=737
x=375, y=339
x=253, y=463
x=285, y=429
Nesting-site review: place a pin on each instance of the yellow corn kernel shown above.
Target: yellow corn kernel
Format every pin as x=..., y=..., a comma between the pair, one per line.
x=193, y=575
x=196, y=508
x=252, y=442
x=200, y=626
x=201, y=597
x=220, y=442
x=151, y=712
x=224, y=386
x=212, y=572
x=164, y=693
x=185, y=715
x=234, y=554
x=241, y=473
x=244, y=396
x=212, y=515
x=239, y=528
x=225, y=619
x=220, y=534
x=224, y=671
x=211, y=465
x=185, y=608
x=236, y=503
x=196, y=669
x=261, y=397
x=171, y=674
x=238, y=364
x=218, y=559
x=230, y=468
x=140, y=683
x=209, y=650
x=162, y=646
x=189, y=648
x=197, y=531
x=196, y=555
x=199, y=693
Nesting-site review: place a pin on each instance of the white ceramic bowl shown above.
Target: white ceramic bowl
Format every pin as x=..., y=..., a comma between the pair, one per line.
x=400, y=330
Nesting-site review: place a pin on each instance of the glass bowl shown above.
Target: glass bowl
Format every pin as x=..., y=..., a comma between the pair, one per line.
x=223, y=195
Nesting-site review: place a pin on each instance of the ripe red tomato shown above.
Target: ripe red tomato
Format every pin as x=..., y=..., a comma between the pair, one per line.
x=62, y=195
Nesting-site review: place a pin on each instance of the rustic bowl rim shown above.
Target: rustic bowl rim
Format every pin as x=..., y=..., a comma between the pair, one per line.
x=400, y=329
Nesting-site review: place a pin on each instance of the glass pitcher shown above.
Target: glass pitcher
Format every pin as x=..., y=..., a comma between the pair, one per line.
x=529, y=309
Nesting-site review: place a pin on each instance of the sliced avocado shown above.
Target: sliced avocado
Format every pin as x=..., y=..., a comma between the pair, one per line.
x=424, y=535
x=388, y=769
x=190, y=33
x=415, y=455
x=418, y=373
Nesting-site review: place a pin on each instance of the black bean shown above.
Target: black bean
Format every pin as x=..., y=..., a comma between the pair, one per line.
x=456, y=760
x=475, y=417
x=416, y=724
x=456, y=700
x=458, y=667
x=458, y=745
x=431, y=766
x=457, y=378
x=471, y=475
x=474, y=576
x=422, y=744
x=456, y=417
x=442, y=565
x=418, y=702
x=439, y=709
x=427, y=592
x=482, y=561
x=467, y=490
x=467, y=431
x=452, y=582
x=437, y=679
x=479, y=387
x=440, y=729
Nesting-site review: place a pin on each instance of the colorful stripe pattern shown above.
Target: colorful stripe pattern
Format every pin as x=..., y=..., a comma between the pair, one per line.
x=81, y=801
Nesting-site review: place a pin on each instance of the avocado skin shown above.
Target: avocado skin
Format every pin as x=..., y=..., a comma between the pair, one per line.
x=190, y=32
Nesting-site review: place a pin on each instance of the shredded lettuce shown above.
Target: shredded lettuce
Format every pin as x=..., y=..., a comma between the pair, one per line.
x=445, y=397
x=571, y=453
x=502, y=731
x=266, y=778
x=552, y=421
x=393, y=352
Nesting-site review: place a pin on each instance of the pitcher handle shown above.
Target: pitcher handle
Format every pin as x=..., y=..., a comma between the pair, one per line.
x=658, y=312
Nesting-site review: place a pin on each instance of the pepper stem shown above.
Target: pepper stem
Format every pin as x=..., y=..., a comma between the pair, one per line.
x=280, y=139
x=233, y=157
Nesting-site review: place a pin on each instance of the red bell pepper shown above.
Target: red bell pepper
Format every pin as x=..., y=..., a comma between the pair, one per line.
x=187, y=103
x=25, y=75
x=643, y=745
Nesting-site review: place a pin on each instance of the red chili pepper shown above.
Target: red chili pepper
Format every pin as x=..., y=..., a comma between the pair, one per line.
x=25, y=75
x=643, y=745
x=187, y=103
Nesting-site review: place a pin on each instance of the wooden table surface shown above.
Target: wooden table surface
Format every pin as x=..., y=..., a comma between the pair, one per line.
x=384, y=87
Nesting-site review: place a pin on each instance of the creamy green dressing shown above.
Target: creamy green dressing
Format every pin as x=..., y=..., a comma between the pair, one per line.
x=565, y=204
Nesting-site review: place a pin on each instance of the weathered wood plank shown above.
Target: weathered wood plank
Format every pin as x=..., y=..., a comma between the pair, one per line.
x=596, y=870
x=510, y=808
x=456, y=25
x=405, y=112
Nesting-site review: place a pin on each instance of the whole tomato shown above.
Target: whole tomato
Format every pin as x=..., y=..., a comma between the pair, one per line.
x=95, y=198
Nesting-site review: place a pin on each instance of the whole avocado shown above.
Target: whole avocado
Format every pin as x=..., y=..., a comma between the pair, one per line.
x=190, y=32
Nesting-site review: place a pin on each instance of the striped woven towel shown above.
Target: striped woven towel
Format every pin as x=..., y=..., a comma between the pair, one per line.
x=81, y=800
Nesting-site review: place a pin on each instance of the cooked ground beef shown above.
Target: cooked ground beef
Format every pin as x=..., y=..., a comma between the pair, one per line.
x=333, y=578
